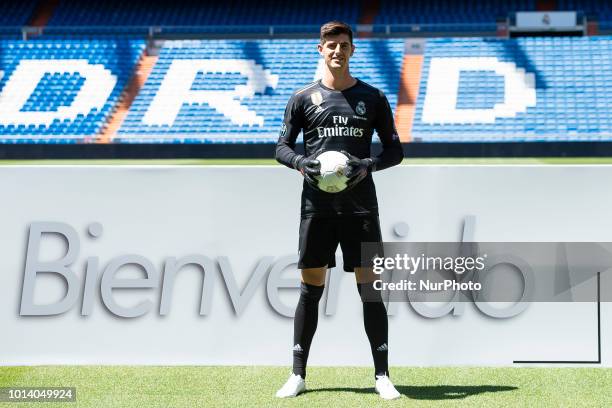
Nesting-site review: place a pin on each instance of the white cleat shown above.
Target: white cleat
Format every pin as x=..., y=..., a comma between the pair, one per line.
x=385, y=388
x=294, y=386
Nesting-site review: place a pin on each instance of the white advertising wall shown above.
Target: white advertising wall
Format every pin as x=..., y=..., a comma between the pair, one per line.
x=218, y=246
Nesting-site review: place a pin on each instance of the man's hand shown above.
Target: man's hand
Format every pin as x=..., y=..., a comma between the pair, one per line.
x=356, y=169
x=309, y=168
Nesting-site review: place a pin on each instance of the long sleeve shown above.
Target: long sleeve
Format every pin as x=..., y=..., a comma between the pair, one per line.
x=291, y=127
x=392, y=153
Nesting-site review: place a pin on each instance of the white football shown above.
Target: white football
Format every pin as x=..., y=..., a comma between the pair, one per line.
x=333, y=166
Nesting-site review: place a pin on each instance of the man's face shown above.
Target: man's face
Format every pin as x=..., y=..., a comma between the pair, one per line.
x=336, y=50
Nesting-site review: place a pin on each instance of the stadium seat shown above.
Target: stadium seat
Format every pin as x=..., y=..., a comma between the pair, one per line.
x=45, y=86
x=235, y=91
x=236, y=13
x=561, y=89
x=450, y=15
x=15, y=13
x=277, y=68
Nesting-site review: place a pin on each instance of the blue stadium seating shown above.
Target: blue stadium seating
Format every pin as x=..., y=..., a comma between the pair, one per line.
x=601, y=9
x=235, y=91
x=564, y=89
x=15, y=12
x=450, y=15
x=291, y=65
x=202, y=13
x=572, y=84
x=46, y=107
x=447, y=15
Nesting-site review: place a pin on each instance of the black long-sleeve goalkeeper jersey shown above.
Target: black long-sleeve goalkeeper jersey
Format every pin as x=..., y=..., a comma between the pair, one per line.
x=339, y=120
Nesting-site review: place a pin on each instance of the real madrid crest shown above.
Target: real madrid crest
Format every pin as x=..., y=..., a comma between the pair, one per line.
x=316, y=98
x=360, y=108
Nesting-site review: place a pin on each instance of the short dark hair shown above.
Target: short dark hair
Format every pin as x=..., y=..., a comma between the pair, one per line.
x=335, y=28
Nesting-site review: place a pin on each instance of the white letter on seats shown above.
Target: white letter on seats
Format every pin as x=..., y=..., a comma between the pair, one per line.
x=440, y=106
x=98, y=85
x=175, y=90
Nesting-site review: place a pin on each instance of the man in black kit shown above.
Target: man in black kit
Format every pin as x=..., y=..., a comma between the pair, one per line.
x=338, y=112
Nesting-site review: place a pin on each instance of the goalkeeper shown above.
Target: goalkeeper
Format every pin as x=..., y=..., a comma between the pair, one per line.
x=338, y=112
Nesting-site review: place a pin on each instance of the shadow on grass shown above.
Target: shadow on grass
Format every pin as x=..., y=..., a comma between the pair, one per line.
x=429, y=392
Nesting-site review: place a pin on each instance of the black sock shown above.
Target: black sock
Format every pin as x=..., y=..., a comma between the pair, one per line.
x=305, y=325
x=376, y=326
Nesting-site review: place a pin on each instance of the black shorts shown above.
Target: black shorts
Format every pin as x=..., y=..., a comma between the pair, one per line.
x=319, y=239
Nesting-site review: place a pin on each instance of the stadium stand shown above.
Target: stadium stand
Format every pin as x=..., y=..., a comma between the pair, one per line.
x=467, y=89
x=459, y=15
x=527, y=89
x=15, y=13
x=236, y=91
x=61, y=91
x=471, y=89
x=600, y=10
x=202, y=13
x=445, y=15
x=13, y=16
x=231, y=91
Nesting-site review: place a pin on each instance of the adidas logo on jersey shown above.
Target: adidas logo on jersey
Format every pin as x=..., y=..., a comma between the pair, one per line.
x=382, y=347
x=297, y=348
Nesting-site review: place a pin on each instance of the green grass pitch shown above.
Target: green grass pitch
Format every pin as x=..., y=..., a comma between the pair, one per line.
x=209, y=386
